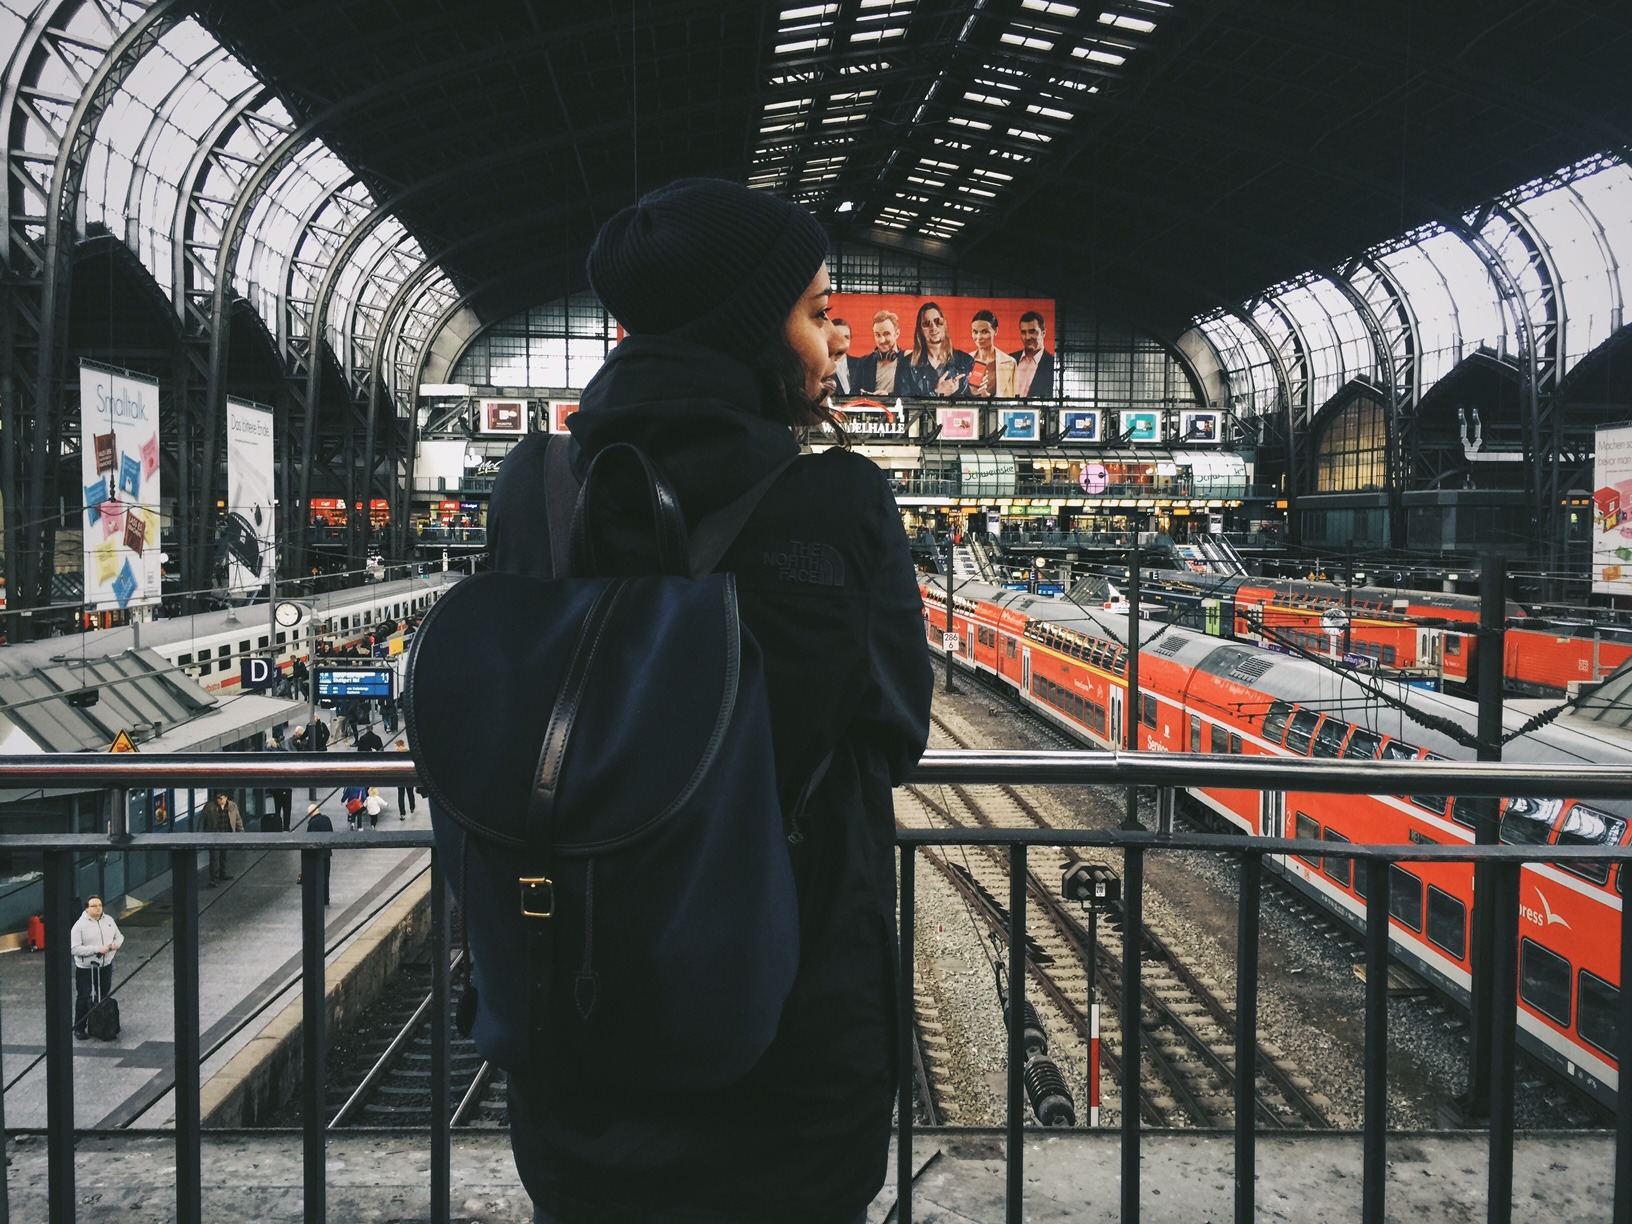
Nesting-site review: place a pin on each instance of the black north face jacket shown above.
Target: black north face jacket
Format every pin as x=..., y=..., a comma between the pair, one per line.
x=826, y=585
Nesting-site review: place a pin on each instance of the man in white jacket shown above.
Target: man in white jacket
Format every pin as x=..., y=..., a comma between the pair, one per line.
x=95, y=941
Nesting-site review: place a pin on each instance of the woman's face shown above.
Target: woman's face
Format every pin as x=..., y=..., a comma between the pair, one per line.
x=980, y=331
x=812, y=337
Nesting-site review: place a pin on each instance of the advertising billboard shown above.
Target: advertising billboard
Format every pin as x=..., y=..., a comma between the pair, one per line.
x=560, y=410
x=1199, y=426
x=504, y=416
x=958, y=424
x=988, y=347
x=249, y=534
x=119, y=480
x=1080, y=426
x=1612, y=512
x=1142, y=425
x=1020, y=424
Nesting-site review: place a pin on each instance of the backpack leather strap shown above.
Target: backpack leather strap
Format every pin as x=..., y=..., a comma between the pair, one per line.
x=537, y=883
x=714, y=533
x=560, y=500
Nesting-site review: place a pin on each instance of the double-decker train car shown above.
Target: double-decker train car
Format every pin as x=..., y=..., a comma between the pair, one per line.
x=1201, y=694
x=210, y=645
x=1409, y=633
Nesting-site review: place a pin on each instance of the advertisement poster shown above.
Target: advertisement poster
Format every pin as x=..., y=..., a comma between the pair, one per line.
x=504, y=416
x=1612, y=513
x=119, y=480
x=1079, y=426
x=1020, y=425
x=958, y=424
x=559, y=412
x=980, y=340
x=1142, y=426
x=249, y=535
x=1199, y=426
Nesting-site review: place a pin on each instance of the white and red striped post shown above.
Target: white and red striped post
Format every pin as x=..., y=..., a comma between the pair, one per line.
x=1093, y=1064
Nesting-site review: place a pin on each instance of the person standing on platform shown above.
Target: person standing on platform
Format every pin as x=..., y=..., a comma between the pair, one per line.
x=728, y=355
x=317, y=822
x=282, y=797
x=301, y=679
x=369, y=741
x=94, y=942
x=405, y=794
x=220, y=816
x=320, y=736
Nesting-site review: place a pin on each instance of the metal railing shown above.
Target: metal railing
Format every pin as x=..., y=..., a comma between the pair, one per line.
x=1162, y=770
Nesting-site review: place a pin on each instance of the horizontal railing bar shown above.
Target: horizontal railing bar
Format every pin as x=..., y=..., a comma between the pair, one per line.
x=940, y=766
x=1218, y=843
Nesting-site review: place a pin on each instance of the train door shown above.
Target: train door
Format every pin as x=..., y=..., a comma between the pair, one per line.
x=1116, y=736
x=1272, y=815
x=1025, y=669
x=1430, y=650
x=969, y=643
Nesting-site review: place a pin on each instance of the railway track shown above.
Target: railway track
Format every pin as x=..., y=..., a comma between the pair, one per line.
x=383, y=1078
x=1187, y=1077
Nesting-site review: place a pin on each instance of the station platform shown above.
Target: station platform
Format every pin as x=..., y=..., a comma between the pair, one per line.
x=249, y=971
x=1069, y=1176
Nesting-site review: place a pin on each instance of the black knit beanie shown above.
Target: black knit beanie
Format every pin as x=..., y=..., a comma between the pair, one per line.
x=708, y=261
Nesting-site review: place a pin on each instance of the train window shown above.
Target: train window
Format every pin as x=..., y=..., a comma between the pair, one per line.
x=1433, y=803
x=1529, y=822
x=1586, y=826
x=1013, y=647
x=1447, y=922
x=1399, y=750
x=1221, y=739
x=1362, y=745
x=184, y=660
x=1405, y=896
x=1339, y=868
x=1360, y=878
x=243, y=647
x=1147, y=709
x=222, y=652
x=1598, y=1007
x=1235, y=743
x=1307, y=828
x=1301, y=731
x=1329, y=739
x=282, y=639
x=1453, y=644
x=204, y=664
x=1388, y=656
x=260, y=643
x=1275, y=721
x=1544, y=981
x=1195, y=733
x=1465, y=811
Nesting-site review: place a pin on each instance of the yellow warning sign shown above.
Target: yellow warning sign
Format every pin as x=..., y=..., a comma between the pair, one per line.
x=123, y=743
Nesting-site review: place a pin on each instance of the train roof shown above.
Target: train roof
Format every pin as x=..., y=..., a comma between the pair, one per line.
x=24, y=657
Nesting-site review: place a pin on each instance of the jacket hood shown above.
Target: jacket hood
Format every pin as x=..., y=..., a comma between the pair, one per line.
x=694, y=412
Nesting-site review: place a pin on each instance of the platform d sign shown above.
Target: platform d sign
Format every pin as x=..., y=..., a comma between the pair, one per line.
x=256, y=674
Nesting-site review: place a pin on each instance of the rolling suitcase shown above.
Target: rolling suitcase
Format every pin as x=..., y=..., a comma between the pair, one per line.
x=102, y=1022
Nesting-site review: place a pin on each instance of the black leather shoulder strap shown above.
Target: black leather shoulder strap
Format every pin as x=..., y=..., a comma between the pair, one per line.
x=560, y=500
x=714, y=533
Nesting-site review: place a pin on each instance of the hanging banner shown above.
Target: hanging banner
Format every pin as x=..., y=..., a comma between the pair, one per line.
x=1612, y=512
x=249, y=535
x=119, y=482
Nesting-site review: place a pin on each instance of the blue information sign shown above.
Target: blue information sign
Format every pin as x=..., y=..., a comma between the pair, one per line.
x=374, y=682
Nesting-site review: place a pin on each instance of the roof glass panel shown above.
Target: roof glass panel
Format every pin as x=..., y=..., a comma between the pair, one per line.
x=1246, y=361
x=1453, y=298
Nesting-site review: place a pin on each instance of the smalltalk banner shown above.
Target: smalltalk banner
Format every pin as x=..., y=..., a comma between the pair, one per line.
x=119, y=480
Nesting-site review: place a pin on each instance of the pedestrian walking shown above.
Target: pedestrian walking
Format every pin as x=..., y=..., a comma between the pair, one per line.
x=373, y=805
x=221, y=815
x=94, y=942
x=405, y=794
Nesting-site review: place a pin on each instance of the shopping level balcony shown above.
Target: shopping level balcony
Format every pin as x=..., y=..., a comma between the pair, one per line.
x=1023, y=1162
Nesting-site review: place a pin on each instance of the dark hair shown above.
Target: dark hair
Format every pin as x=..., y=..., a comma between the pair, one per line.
x=920, y=347
x=840, y=322
x=1031, y=316
x=985, y=316
x=783, y=396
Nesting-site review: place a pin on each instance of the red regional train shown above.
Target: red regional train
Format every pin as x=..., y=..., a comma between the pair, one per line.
x=1412, y=633
x=1201, y=694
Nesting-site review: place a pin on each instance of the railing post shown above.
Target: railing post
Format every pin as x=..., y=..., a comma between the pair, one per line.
x=1133, y=890
x=184, y=965
x=1246, y=1040
x=441, y=1127
x=1623, y=1043
x=1015, y=1192
x=314, y=999
x=905, y=1019
x=1375, y=1176
x=1504, y=985
x=59, y=1048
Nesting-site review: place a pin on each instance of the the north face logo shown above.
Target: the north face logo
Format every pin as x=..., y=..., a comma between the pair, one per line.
x=800, y=562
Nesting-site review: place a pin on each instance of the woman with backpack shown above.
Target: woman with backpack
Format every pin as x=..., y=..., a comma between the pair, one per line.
x=729, y=357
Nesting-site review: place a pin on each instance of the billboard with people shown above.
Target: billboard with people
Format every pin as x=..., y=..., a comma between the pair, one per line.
x=943, y=347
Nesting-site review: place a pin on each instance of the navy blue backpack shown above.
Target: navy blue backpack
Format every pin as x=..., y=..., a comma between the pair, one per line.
x=598, y=757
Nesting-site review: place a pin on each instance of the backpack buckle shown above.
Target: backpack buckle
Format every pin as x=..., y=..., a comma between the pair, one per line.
x=537, y=897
